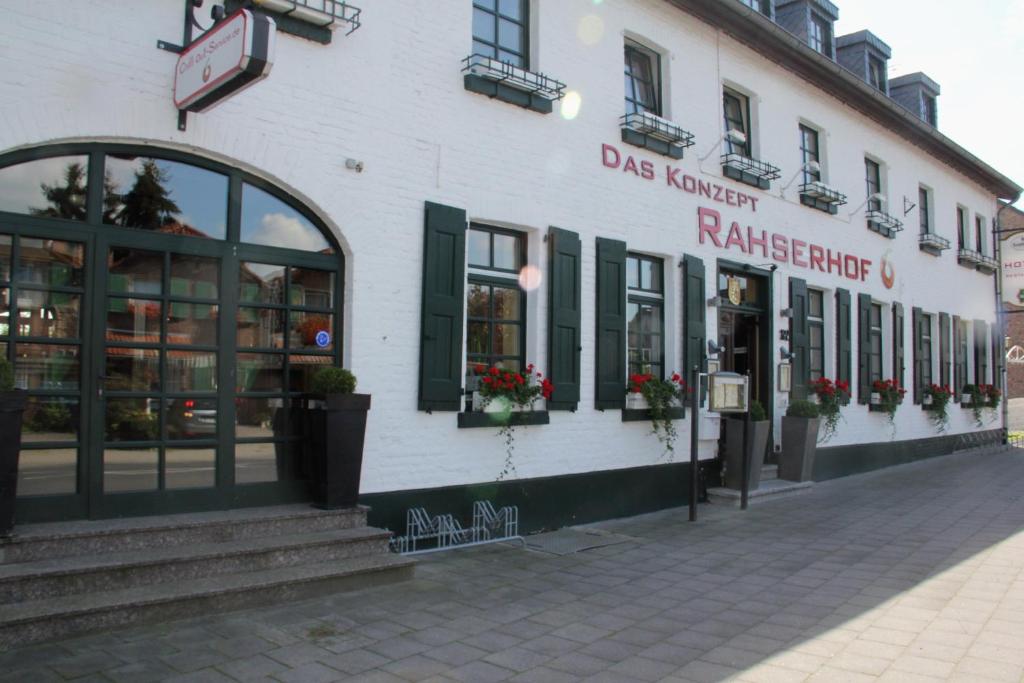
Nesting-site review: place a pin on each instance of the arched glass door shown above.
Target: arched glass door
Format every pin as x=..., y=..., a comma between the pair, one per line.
x=164, y=313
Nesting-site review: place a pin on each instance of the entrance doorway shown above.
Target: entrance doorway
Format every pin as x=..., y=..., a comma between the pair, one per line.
x=744, y=328
x=164, y=313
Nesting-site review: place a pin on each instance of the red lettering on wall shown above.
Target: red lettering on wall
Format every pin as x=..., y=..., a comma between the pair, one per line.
x=865, y=265
x=780, y=248
x=837, y=262
x=672, y=176
x=817, y=257
x=762, y=242
x=850, y=265
x=630, y=166
x=798, y=253
x=710, y=224
x=610, y=156
x=736, y=237
x=647, y=170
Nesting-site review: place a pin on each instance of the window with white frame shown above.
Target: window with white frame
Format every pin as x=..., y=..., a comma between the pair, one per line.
x=816, y=333
x=645, y=315
x=924, y=209
x=873, y=183
x=809, y=152
x=736, y=109
x=819, y=34
x=642, y=79
x=963, y=239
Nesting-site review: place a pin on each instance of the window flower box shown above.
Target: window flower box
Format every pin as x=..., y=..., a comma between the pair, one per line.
x=501, y=405
x=818, y=195
x=647, y=130
x=510, y=83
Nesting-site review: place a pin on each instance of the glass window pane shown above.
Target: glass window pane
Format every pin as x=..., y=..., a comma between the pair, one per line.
x=301, y=369
x=268, y=220
x=165, y=196
x=259, y=462
x=311, y=331
x=130, y=469
x=192, y=324
x=486, y=4
x=50, y=262
x=484, y=49
x=477, y=338
x=52, y=188
x=47, y=314
x=46, y=366
x=49, y=418
x=513, y=59
x=261, y=283
x=632, y=272
x=478, y=301
x=260, y=418
x=132, y=369
x=483, y=25
x=506, y=252
x=191, y=371
x=506, y=339
x=133, y=320
x=134, y=271
x=195, y=276
x=47, y=472
x=510, y=36
x=506, y=303
x=5, y=311
x=513, y=9
x=192, y=418
x=189, y=468
x=479, y=248
x=260, y=372
x=132, y=419
x=260, y=328
x=311, y=288
x=5, y=257
x=816, y=333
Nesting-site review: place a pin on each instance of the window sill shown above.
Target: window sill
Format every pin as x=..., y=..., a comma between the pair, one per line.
x=526, y=418
x=644, y=415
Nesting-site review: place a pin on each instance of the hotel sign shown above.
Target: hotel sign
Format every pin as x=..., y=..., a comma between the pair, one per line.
x=1012, y=267
x=228, y=58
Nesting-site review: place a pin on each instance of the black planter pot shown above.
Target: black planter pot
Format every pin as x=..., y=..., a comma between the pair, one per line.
x=799, y=443
x=757, y=443
x=12, y=407
x=335, y=441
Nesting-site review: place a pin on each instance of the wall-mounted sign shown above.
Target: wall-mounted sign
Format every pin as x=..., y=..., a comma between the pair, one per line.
x=1012, y=267
x=228, y=58
x=323, y=339
x=735, y=295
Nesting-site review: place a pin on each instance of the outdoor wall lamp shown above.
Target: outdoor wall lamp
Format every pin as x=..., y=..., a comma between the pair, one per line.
x=713, y=348
x=736, y=137
x=810, y=166
x=786, y=354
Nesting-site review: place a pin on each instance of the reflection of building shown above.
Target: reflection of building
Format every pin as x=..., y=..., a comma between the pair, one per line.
x=795, y=214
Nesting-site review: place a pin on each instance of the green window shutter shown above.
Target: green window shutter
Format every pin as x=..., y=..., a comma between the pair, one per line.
x=899, y=345
x=844, y=338
x=564, y=318
x=959, y=358
x=863, y=348
x=917, y=320
x=694, y=319
x=997, y=354
x=981, y=375
x=799, y=338
x=944, y=350
x=444, y=279
x=610, y=390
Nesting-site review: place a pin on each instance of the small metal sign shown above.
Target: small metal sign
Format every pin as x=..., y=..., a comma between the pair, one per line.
x=323, y=339
x=234, y=54
x=729, y=393
x=735, y=293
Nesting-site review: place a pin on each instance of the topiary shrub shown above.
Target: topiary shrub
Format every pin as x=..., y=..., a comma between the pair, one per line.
x=757, y=413
x=333, y=381
x=802, y=408
x=6, y=375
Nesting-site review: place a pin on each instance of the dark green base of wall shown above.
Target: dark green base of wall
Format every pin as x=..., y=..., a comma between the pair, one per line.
x=842, y=461
x=548, y=503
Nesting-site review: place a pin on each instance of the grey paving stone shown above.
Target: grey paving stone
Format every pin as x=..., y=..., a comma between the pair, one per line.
x=251, y=667
x=200, y=676
x=355, y=661
x=313, y=672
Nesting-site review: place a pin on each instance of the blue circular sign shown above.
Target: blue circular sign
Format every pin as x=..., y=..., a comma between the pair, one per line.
x=323, y=339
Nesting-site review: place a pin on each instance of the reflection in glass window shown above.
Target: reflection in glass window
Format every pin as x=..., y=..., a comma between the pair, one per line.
x=47, y=471
x=135, y=271
x=311, y=288
x=50, y=262
x=49, y=188
x=46, y=366
x=166, y=196
x=50, y=419
x=268, y=220
x=5, y=257
x=816, y=332
x=48, y=314
x=645, y=315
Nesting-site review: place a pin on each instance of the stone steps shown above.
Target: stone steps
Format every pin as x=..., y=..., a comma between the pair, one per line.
x=771, y=489
x=59, y=580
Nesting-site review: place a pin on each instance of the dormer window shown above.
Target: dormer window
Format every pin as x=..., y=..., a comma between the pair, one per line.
x=819, y=35
x=762, y=6
x=876, y=73
x=931, y=110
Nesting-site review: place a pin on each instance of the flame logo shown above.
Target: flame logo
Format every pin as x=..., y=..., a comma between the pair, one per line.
x=206, y=73
x=888, y=273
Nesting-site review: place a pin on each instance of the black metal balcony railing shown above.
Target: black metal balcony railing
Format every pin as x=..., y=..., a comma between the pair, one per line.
x=933, y=244
x=753, y=167
x=821, y=192
x=521, y=79
x=883, y=223
x=656, y=127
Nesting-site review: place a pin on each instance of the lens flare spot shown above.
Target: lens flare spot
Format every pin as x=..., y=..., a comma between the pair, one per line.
x=530, y=278
x=571, y=105
x=590, y=30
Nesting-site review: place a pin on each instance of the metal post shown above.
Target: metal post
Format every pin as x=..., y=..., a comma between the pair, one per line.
x=694, y=426
x=745, y=484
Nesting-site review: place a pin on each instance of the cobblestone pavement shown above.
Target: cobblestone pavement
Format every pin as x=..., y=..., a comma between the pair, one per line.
x=914, y=573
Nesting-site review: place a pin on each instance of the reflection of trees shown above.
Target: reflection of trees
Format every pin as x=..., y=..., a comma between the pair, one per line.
x=67, y=200
x=148, y=204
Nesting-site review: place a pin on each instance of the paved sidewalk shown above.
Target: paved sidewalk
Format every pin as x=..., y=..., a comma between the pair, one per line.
x=911, y=574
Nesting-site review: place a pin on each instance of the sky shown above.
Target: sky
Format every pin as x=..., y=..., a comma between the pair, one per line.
x=975, y=51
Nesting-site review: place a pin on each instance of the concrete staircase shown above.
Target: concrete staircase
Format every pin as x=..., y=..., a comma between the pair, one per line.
x=771, y=488
x=59, y=580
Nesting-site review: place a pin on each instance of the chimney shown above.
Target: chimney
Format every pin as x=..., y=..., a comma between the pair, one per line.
x=919, y=94
x=866, y=55
x=810, y=20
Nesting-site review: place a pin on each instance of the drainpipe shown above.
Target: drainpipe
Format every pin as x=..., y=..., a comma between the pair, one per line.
x=997, y=249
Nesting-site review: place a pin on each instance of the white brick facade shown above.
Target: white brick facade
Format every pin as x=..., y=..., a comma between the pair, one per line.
x=391, y=96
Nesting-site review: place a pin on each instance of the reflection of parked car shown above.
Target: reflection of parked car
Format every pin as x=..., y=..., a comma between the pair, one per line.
x=188, y=418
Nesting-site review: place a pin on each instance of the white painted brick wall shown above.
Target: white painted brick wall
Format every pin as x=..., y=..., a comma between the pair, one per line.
x=391, y=95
